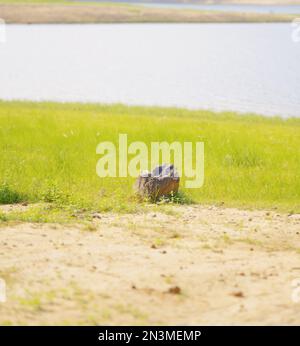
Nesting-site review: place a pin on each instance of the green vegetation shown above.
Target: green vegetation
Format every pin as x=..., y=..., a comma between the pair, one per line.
x=48, y=154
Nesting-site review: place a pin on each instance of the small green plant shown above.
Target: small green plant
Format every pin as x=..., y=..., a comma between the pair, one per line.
x=3, y=217
x=54, y=194
x=9, y=196
x=175, y=198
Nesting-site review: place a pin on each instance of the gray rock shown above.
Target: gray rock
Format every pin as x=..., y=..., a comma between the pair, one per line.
x=162, y=181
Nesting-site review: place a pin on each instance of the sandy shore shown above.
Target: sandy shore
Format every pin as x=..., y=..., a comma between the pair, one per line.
x=56, y=13
x=193, y=265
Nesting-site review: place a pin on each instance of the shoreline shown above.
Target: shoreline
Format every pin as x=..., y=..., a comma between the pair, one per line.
x=109, y=14
x=153, y=107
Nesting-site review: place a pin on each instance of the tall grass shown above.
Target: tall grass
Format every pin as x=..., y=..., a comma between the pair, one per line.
x=48, y=153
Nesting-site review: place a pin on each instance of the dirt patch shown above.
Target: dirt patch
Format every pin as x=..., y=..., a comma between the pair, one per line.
x=194, y=265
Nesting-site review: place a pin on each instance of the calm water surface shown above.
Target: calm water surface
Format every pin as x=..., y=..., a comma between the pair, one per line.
x=241, y=67
x=279, y=9
x=244, y=8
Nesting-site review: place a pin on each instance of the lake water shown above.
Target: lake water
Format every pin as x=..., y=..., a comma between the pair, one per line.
x=279, y=9
x=241, y=67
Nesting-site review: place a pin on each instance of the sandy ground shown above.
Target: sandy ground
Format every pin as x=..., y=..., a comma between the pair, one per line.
x=192, y=265
x=58, y=13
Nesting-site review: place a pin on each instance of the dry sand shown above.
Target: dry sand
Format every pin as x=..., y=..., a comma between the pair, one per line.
x=193, y=265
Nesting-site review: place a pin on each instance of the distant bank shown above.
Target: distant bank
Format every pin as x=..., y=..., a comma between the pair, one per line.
x=39, y=13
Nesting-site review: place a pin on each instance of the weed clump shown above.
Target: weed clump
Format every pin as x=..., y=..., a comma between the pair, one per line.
x=9, y=195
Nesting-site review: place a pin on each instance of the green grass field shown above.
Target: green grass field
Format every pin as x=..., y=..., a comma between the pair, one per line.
x=48, y=154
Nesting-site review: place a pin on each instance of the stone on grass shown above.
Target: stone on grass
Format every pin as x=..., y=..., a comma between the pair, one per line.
x=162, y=181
